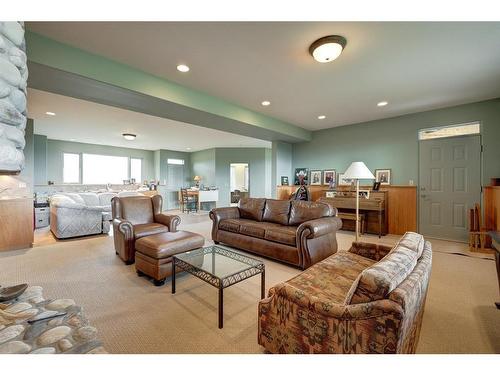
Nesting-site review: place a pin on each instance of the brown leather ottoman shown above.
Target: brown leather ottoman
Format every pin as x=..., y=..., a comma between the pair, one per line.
x=153, y=254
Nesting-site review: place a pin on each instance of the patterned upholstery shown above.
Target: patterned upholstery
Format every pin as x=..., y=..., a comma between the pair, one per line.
x=314, y=313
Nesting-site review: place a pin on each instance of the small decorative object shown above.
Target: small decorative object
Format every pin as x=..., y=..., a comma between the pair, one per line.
x=197, y=180
x=342, y=180
x=284, y=180
x=383, y=176
x=376, y=186
x=331, y=194
x=316, y=177
x=12, y=292
x=132, y=181
x=303, y=172
x=329, y=178
x=364, y=194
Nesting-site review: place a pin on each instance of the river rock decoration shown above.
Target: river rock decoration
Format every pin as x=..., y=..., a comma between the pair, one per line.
x=13, y=83
x=68, y=334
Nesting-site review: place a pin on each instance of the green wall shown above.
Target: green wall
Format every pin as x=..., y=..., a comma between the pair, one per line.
x=167, y=188
x=29, y=155
x=203, y=165
x=259, y=161
x=282, y=155
x=392, y=143
x=40, y=152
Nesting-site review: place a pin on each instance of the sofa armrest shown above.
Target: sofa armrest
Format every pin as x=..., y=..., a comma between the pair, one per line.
x=218, y=214
x=125, y=227
x=328, y=308
x=171, y=221
x=319, y=227
x=370, y=250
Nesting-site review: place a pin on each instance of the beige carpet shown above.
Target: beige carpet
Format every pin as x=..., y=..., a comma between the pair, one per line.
x=133, y=316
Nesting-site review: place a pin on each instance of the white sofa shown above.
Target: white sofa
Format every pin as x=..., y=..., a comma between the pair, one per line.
x=80, y=214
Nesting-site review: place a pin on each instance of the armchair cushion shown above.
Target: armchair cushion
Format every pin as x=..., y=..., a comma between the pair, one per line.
x=143, y=230
x=137, y=210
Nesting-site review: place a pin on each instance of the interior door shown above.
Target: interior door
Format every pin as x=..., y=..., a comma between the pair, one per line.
x=450, y=184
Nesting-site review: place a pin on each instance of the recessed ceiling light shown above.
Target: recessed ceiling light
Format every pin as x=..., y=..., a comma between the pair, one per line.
x=328, y=48
x=265, y=103
x=50, y=113
x=188, y=148
x=72, y=140
x=129, y=136
x=321, y=117
x=382, y=104
x=183, y=68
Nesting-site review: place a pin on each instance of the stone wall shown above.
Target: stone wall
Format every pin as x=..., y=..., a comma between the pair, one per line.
x=13, y=82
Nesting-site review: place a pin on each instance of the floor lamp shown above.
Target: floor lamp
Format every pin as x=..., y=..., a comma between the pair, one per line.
x=358, y=171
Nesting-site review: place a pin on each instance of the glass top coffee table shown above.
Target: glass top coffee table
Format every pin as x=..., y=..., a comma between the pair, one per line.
x=219, y=267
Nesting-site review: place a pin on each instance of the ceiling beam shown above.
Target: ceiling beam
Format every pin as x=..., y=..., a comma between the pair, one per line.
x=66, y=70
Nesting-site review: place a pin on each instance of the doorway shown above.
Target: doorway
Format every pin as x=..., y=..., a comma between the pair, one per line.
x=450, y=184
x=239, y=182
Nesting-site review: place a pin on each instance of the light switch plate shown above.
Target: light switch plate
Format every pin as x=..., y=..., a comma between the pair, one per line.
x=22, y=184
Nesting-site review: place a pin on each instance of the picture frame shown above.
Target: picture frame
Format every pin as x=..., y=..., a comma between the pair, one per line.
x=284, y=180
x=330, y=177
x=302, y=171
x=330, y=194
x=342, y=181
x=383, y=176
x=364, y=194
x=316, y=177
x=376, y=186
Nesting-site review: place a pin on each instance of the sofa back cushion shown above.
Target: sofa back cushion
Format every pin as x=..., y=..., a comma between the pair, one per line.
x=75, y=198
x=379, y=280
x=105, y=198
x=302, y=211
x=252, y=208
x=276, y=211
x=137, y=210
x=91, y=199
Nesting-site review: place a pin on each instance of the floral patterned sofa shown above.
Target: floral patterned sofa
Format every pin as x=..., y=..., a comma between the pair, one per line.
x=369, y=299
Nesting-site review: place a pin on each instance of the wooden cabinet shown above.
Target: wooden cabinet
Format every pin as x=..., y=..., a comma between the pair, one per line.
x=16, y=223
x=401, y=209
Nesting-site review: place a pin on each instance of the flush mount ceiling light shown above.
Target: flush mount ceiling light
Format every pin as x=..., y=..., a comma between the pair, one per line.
x=321, y=117
x=183, y=68
x=129, y=136
x=50, y=113
x=265, y=103
x=382, y=104
x=328, y=48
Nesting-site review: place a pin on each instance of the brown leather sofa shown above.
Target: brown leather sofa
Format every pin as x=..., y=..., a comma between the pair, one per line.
x=295, y=232
x=136, y=217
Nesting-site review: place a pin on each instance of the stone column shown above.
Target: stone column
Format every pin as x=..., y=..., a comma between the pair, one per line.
x=13, y=82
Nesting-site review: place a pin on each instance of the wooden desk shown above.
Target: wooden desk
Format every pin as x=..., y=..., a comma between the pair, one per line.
x=16, y=223
x=202, y=196
x=495, y=244
x=376, y=204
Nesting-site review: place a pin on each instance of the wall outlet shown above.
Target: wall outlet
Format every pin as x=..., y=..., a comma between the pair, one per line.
x=411, y=182
x=22, y=184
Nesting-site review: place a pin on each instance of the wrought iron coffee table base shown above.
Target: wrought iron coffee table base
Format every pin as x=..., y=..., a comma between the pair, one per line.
x=256, y=268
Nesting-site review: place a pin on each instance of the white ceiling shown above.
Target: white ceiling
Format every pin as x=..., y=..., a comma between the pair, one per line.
x=82, y=121
x=414, y=66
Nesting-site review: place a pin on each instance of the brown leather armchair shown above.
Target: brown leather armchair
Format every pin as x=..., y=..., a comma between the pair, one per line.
x=136, y=217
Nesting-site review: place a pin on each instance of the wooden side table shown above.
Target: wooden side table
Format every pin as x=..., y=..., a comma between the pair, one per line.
x=495, y=244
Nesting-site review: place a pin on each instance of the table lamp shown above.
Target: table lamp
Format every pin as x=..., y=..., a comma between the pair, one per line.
x=197, y=179
x=358, y=171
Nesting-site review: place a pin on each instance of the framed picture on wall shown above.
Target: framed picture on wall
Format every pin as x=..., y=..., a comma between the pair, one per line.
x=330, y=177
x=343, y=181
x=315, y=177
x=301, y=173
x=383, y=176
x=284, y=180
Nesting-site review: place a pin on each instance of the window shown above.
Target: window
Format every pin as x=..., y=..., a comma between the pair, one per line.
x=175, y=161
x=136, y=169
x=103, y=169
x=449, y=131
x=71, y=168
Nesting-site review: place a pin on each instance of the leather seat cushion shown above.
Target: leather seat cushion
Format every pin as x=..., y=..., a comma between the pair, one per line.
x=252, y=208
x=332, y=278
x=166, y=244
x=254, y=229
x=277, y=211
x=285, y=235
x=143, y=230
x=230, y=225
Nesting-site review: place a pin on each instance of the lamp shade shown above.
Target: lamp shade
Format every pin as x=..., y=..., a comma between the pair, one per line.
x=358, y=171
x=197, y=178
